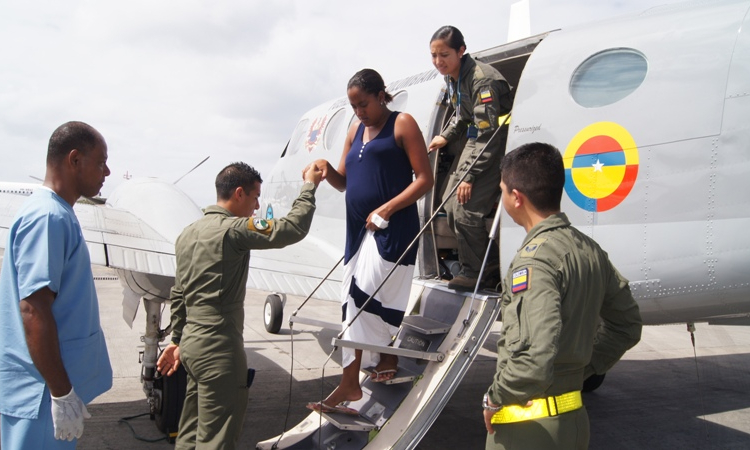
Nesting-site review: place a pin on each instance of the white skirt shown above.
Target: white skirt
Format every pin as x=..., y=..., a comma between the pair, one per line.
x=366, y=270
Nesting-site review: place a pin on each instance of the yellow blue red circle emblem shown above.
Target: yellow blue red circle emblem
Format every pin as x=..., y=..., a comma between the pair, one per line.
x=601, y=166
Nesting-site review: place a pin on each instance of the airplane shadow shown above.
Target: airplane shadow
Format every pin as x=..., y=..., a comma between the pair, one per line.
x=654, y=404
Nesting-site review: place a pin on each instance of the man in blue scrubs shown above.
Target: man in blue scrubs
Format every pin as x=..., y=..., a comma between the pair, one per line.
x=53, y=357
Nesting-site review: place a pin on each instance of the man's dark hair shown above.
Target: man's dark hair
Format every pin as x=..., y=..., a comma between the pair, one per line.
x=236, y=175
x=69, y=136
x=537, y=171
x=369, y=81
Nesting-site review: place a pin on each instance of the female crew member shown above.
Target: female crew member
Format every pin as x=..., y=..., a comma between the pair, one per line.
x=481, y=97
x=384, y=170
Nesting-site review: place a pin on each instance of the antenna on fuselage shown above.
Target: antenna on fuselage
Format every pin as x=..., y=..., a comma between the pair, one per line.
x=197, y=165
x=519, y=21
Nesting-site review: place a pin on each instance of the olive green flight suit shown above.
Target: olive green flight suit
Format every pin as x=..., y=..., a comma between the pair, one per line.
x=485, y=97
x=213, y=255
x=559, y=288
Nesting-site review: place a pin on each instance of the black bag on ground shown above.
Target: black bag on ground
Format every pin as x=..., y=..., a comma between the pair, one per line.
x=168, y=412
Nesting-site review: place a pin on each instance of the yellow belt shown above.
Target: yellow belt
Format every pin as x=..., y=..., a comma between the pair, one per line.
x=540, y=407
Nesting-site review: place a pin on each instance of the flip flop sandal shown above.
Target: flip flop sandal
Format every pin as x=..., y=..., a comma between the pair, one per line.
x=321, y=407
x=382, y=375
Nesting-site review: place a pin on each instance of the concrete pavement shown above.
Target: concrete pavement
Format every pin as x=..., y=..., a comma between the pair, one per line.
x=658, y=397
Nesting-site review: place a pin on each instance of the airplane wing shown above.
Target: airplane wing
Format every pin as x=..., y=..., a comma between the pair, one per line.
x=115, y=237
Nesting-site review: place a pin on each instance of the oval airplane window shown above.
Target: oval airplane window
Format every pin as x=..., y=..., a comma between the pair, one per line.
x=400, y=99
x=608, y=77
x=295, y=143
x=333, y=130
x=352, y=119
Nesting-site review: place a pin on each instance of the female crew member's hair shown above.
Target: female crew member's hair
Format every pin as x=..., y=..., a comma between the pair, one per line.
x=451, y=35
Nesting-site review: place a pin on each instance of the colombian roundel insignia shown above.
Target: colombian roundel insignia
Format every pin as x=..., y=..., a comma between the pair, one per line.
x=601, y=166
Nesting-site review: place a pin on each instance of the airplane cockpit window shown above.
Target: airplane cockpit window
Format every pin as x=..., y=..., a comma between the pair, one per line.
x=333, y=131
x=400, y=99
x=608, y=77
x=295, y=143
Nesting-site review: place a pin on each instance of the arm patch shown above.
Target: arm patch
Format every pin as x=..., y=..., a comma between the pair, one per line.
x=530, y=249
x=259, y=225
x=521, y=280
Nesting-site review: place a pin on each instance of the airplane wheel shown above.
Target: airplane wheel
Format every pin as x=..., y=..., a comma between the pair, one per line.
x=593, y=382
x=273, y=313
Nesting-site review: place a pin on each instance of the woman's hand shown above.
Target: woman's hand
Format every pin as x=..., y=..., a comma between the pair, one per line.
x=384, y=212
x=322, y=165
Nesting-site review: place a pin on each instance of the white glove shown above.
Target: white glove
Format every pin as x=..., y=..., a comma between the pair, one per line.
x=68, y=413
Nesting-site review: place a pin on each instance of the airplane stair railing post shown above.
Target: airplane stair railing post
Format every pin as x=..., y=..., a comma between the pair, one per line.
x=492, y=238
x=293, y=318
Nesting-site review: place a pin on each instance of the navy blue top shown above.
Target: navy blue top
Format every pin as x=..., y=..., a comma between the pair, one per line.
x=375, y=174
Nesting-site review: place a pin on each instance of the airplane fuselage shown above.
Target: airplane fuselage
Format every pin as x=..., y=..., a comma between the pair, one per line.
x=650, y=113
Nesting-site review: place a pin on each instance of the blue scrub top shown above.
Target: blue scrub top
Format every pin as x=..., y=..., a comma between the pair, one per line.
x=46, y=248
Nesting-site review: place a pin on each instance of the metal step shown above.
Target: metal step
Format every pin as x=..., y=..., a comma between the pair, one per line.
x=349, y=422
x=407, y=353
x=402, y=376
x=425, y=325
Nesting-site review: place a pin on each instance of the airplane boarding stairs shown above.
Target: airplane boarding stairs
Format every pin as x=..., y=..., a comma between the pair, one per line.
x=435, y=345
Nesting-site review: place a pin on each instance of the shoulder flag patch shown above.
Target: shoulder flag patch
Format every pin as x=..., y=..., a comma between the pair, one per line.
x=260, y=225
x=485, y=95
x=520, y=281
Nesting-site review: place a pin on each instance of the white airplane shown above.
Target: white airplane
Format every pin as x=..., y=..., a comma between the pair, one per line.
x=17, y=188
x=650, y=113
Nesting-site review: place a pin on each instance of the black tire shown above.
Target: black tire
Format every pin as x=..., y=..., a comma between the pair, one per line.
x=593, y=382
x=273, y=313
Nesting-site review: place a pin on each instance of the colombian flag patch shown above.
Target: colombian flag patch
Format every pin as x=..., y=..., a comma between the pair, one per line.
x=485, y=95
x=520, y=280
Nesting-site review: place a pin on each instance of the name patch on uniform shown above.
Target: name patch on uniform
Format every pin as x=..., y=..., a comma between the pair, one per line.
x=520, y=280
x=260, y=225
x=485, y=95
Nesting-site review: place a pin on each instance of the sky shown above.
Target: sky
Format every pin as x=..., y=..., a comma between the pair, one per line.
x=169, y=83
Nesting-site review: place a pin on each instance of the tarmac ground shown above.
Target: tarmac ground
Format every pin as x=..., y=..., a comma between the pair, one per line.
x=660, y=396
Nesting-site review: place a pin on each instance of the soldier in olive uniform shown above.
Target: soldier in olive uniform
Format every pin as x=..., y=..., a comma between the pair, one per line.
x=567, y=314
x=482, y=100
x=213, y=255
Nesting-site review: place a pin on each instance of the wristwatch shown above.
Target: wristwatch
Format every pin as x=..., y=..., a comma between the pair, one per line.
x=486, y=404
